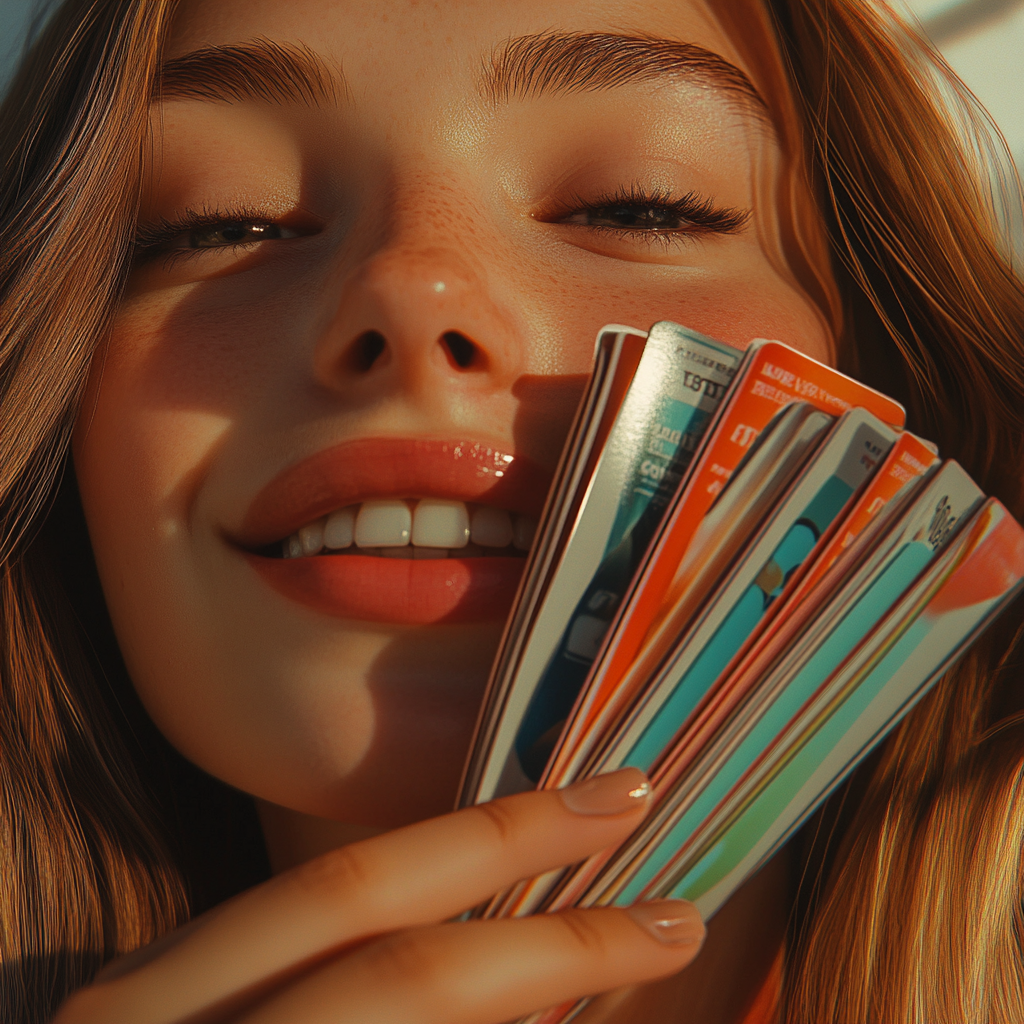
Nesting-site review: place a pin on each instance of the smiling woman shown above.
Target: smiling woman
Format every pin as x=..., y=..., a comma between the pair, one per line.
x=309, y=245
x=298, y=300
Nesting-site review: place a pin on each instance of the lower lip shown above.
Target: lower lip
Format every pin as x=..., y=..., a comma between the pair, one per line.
x=396, y=590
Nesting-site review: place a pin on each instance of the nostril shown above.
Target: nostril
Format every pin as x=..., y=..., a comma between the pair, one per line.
x=367, y=349
x=460, y=348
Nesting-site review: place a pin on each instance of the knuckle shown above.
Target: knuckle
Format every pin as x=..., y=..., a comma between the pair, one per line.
x=407, y=960
x=499, y=819
x=345, y=870
x=584, y=932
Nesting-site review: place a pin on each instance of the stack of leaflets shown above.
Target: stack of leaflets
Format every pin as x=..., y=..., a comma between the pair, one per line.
x=746, y=573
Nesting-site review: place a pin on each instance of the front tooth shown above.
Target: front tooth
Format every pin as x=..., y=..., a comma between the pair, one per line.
x=293, y=547
x=440, y=524
x=492, y=527
x=338, y=528
x=523, y=530
x=383, y=524
x=311, y=537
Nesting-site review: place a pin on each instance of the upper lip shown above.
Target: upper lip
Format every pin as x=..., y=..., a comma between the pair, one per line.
x=355, y=471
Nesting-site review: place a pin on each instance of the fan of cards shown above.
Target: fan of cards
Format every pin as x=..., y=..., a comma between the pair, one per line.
x=746, y=573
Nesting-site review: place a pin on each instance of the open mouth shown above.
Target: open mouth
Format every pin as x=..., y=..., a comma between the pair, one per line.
x=397, y=530
x=424, y=528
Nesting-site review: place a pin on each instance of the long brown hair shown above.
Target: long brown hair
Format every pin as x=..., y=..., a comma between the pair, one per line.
x=88, y=866
x=914, y=917
x=82, y=870
x=912, y=908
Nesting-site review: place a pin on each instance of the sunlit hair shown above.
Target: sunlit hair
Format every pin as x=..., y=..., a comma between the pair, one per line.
x=911, y=903
x=84, y=874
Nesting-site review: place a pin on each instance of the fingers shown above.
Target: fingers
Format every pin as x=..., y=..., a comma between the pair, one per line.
x=485, y=972
x=417, y=875
x=494, y=971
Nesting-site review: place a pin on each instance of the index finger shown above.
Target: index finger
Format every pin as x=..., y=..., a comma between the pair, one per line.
x=420, y=874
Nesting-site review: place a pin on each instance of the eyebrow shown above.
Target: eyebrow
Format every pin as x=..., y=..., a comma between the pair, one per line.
x=260, y=70
x=558, y=62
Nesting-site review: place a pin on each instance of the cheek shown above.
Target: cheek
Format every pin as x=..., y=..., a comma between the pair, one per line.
x=139, y=462
x=735, y=303
x=764, y=307
x=141, y=447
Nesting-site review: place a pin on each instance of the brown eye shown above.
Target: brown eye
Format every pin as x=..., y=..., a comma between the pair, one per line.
x=195, y=232
x=647, y=214
x=230, y=233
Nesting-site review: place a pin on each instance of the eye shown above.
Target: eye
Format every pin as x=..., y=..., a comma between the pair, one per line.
x=630, y=215
x=637, y=211
x=193, y=232
x=230, y=233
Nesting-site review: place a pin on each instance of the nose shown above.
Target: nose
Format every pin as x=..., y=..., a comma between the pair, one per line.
x=423, y=319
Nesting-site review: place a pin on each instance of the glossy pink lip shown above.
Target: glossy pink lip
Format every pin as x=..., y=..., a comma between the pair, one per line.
x=391, y=468
x=384, y=589
x=396, y=590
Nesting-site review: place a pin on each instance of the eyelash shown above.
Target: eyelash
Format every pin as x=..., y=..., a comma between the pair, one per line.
x=150, y=239
x=700, y=214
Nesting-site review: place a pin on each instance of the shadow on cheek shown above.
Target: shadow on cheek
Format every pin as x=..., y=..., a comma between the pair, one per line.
x=547, y=405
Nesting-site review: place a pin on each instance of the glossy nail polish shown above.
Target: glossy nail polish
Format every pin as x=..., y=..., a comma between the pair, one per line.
x=613, y=793
x=671, y=922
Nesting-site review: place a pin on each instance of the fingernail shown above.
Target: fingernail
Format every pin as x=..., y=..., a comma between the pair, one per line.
x=672, y=922
x=613, y=793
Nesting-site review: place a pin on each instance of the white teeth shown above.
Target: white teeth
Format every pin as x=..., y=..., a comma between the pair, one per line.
x=492, y=527
x=338, y=530
x=523, y=529
x=311, y=536
x=432, y=528
x=383, y=524
x=440, y=524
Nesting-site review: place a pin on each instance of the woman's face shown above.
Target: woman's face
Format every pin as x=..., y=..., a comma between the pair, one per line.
x=373, y=265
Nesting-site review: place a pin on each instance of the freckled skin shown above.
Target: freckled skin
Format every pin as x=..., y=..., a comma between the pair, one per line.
x=228, y=366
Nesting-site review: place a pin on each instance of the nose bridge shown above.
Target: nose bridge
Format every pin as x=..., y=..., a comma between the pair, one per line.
x=423, y=302
x=434, y=233
x=440, y=277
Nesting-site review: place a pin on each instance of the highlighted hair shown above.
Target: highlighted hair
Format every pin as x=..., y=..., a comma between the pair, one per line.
x=911, y=902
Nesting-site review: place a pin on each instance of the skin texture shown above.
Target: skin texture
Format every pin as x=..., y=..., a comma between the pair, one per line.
x=228, y=365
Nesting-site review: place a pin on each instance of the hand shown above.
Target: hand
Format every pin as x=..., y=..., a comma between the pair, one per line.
x=362, y=934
